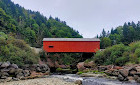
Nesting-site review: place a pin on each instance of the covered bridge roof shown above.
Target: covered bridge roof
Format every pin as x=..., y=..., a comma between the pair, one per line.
x=71, y=39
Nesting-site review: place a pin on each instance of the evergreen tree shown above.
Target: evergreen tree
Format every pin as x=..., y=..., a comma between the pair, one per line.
x=103, y=33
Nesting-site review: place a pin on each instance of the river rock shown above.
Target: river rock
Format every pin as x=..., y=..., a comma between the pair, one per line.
x=124, y=72
x=8, y=79
x=102, y=68
x=15, y=79
x=4, y=70
x=4, y=75
x=80, y=66
x=0, y=63
x=112, y=72
x=130, y=78
x=138, y=80
x=20, y=75
x=12, y=71
x=136, y=77
x=115, y=72
x=90, y=64
x=108, y=72
x=120, y=77
x=137, y=68
x=5, y=64
x=26, y=67
x=18, y=71
x=79, y=82
x=132, y=72
x=38, y=69
x=2, y=80
x=26, y=73
x=14, y=66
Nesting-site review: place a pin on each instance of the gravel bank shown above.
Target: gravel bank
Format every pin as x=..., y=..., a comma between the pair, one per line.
x=39, y=81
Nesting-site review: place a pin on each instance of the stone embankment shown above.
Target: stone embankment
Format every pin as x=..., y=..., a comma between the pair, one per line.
x=10, y=72
x=124, y=73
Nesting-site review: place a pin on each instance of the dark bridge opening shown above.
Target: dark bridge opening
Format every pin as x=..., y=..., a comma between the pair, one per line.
x=86, y=56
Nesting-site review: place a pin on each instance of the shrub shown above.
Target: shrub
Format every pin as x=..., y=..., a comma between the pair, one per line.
x=59, y=69
x=135, y=52
x=16, y=51
x=119, y=55
x=121, y=61
x=65, y=58
x=134, y=46
x=112, y=55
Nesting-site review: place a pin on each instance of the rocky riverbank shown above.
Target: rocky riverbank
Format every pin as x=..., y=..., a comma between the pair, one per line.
x=124, y=73
x=12, y=72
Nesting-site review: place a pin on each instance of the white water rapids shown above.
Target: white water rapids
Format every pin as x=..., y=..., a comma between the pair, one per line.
x=92, y=80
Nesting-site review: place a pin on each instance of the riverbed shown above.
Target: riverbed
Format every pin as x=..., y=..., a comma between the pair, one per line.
x=69, y=79
x=92, y=80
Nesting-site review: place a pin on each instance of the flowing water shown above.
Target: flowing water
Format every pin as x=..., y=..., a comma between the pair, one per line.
x=92, y=80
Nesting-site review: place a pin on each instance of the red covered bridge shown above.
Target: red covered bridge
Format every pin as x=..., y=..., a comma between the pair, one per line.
x=84, y=45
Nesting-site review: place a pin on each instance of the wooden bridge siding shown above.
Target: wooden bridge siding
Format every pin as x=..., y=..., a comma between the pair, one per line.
x=71, y=46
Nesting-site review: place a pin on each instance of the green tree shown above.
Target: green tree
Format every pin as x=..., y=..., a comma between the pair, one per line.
x=105, y=42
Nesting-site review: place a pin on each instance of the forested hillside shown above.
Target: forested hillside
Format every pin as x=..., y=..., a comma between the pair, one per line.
x=31, y=26
x=122, y=45
x=129, y=32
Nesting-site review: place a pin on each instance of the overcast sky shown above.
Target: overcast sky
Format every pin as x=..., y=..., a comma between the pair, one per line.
x=89, y=17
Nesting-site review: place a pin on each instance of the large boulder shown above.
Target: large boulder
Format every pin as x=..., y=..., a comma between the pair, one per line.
x=26, y=73
x=80, y=66
x=20, y=75
x=18, y=71
x=12, y=71
x=3, y=75
x=14, y=66
x=79, y=82
x=90, y=64
x=120, y=77
x=112, y=72
x=124, y=72
x=137, y=68
x=4, y=70
x=5, y=64
x=44, y=68
x=132, y=72
x=38, y=69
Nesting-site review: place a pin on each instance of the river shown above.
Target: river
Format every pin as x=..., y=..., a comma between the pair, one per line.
x=92, y=80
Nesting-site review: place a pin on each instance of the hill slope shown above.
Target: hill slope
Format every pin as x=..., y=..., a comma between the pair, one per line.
x=32, y=26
